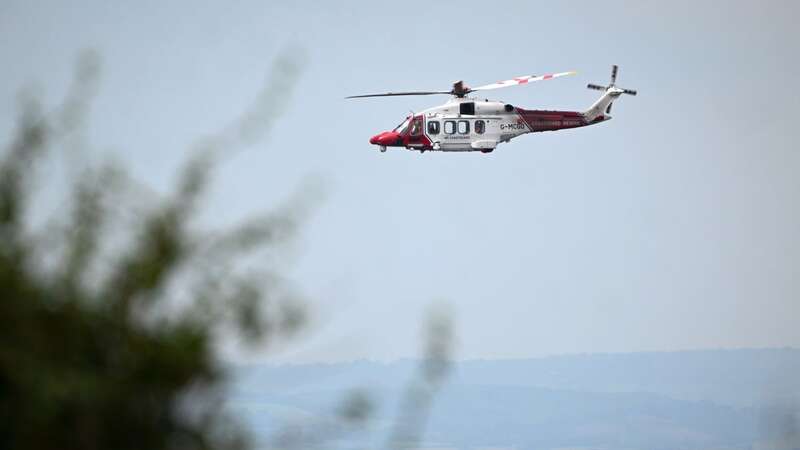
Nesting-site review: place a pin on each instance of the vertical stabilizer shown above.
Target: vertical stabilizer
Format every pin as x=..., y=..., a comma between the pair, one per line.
x=610, y=93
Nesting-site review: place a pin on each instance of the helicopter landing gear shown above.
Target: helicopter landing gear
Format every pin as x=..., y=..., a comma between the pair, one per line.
x=487, y=150
x=383, y=149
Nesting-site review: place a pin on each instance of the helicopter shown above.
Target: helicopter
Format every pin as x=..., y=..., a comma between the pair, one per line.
x=467, y=124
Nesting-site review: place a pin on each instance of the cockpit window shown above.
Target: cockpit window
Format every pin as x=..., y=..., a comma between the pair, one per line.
x=402, y=127
x=416, y=126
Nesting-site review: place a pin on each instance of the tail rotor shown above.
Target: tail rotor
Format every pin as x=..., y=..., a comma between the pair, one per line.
x=612, y=88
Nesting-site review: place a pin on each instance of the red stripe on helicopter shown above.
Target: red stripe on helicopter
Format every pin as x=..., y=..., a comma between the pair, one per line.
x=538, y=120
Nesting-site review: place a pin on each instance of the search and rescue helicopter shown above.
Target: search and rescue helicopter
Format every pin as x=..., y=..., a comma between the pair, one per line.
x=466, y=124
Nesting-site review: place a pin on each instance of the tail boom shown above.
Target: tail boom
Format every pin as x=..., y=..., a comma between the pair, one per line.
x=538, y=120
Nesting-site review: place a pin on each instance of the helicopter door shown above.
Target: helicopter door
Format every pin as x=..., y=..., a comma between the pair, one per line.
x=415, y=133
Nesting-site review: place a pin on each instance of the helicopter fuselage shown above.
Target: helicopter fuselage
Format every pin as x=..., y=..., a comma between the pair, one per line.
x=468, y=124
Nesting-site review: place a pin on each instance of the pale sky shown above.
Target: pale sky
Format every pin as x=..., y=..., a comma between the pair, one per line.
x=673, y=226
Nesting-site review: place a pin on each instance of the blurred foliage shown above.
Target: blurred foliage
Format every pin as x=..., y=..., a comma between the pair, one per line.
x=110, y=311
x=780, y=425
x=415, y=405
x=406, y=429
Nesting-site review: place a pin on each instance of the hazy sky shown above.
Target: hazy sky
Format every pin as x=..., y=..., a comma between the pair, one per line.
x=673, y=226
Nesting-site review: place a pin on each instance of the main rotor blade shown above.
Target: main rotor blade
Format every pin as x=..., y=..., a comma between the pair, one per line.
x=614, y=70
x=596, y=87
x=395, y=94
x=520, y=80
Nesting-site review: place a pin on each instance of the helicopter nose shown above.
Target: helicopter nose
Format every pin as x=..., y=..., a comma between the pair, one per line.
x=386, y=138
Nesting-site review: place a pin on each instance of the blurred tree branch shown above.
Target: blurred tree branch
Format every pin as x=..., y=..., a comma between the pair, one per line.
x=408, y=427
x=415, y=405
x=110, y=323
x=91, y=356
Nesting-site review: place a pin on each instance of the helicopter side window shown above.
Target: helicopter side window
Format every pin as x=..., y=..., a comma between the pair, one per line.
x=450, y=127
x=463, y=127
x=433, y=127
x=480, y=126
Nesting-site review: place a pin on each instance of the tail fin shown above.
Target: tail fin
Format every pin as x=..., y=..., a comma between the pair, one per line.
x=610, y=93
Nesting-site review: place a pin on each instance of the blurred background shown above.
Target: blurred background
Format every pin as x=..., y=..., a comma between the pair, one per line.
x=670, y=230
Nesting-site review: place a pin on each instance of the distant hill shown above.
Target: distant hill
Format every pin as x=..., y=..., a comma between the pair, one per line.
x=695, y=399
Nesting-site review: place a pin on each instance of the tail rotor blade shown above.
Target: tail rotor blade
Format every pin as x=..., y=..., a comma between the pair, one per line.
x=629, y=91
x=596, y=87
x=614, y=70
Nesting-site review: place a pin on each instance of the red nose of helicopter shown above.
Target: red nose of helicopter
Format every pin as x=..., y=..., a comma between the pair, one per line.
x=385, y=138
